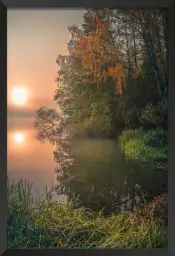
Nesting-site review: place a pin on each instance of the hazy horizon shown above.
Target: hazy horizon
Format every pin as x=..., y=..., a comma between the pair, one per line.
x=35, y=39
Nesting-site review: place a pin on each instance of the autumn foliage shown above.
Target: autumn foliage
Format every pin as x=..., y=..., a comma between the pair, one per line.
x=99, y=54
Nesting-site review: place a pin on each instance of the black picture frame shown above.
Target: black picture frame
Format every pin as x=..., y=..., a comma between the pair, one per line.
x=4, y=5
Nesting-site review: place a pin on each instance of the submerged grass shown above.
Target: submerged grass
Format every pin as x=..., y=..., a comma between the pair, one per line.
x=45, y=223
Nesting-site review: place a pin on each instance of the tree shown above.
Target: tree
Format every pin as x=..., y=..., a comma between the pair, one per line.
x=99, y=54
x=149, y=27
x=114, y=78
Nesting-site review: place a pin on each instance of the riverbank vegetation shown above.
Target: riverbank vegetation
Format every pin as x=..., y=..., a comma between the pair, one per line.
x=148, y=146
x=49, y=224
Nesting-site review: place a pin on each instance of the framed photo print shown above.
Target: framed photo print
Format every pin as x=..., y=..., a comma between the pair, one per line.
x=87, y=113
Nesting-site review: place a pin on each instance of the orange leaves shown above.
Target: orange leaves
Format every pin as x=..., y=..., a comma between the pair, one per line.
x=117, y=73
x=102, y=27
x=100, y=55
x=111, y=71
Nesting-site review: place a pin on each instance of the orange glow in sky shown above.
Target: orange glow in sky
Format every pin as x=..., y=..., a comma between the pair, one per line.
x=35, y=39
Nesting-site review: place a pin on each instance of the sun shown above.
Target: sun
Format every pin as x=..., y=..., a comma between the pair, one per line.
x=19, y=96
x=19, y=138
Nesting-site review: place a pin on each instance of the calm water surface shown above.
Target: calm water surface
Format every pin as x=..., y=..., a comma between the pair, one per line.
x=30, y=159
x=99, y=173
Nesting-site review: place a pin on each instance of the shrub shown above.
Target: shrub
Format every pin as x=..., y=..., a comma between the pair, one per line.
x=144, y=145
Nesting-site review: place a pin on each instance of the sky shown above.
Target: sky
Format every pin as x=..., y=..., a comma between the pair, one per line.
x=34, y=40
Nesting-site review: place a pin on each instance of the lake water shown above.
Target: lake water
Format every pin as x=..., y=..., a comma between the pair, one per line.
x=29, y=159
x=99, y=175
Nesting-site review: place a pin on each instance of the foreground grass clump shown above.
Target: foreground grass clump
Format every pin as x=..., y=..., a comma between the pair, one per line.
x=48, y=224
x=143, y=145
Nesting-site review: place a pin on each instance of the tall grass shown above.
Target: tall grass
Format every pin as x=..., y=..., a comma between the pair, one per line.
x=150, y=146
x=44, y=223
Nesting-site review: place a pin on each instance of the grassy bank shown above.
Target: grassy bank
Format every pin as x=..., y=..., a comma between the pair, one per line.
x=48, y=224
x=147, y=146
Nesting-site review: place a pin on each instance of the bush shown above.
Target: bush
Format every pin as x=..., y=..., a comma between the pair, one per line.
x=144, y=145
